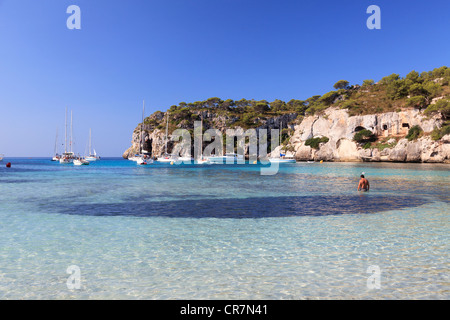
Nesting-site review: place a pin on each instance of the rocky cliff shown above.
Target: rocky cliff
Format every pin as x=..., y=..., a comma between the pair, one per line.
x=390, y=131
x=154, y=137
x=394, y=119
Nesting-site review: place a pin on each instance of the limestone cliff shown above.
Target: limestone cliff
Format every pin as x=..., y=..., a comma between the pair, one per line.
x=394, y=119
x=153, y=129
x=389, y=128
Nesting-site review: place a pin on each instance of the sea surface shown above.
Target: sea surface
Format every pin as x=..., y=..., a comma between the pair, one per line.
x=223, y=231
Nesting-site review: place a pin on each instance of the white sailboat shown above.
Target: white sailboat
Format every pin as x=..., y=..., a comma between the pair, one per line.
x=80, y=162
x=282, y=158
x=167, y=157
x=227, y=157
x=143, y=158
x=202, y=159
x=92, y=156
x=142, y=161
x=68, y=155
x=1, y=156
x=56, y=156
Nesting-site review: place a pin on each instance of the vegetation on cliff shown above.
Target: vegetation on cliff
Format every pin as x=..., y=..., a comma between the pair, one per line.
x=389, y=94
x=428, y=91
x=315, y=142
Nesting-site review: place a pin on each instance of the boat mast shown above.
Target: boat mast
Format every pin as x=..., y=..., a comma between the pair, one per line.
x=56, y=142
x=65, y=135
x=281, y=135
x=167, y=129
x=71, y=131
x=142, y=127
x=201, y=138
x=90, y=144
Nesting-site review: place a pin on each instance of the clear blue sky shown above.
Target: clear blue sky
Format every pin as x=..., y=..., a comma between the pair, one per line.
x=168, y=51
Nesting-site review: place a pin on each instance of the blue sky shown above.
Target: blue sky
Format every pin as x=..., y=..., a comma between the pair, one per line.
x=168, y=51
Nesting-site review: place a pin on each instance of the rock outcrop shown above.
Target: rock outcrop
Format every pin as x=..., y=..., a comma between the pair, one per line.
x=389, y=128
x=340, y=128
x=154, y=139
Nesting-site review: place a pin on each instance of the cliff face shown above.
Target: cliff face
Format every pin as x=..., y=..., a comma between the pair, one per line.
x=154, y=139
x=389, y=128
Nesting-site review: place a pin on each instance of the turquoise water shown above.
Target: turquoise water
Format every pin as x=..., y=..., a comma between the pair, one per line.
x=223, y=231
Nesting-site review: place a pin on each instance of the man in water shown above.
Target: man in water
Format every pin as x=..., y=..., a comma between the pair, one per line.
x=363, y=184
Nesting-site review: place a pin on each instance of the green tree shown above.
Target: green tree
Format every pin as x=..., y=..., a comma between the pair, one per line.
x=242, y=103
x=261, y=107
x=447, y=75
x=390, y=79
x=368, y=83
x=298, y=106
x=426, y=75
x=433, y=89
x=315, y=142
x=213, y=102
x=364, y=136
x=439, y=72
x=341, y=84
x=328, y=98
x=396, y=88
x=248, y=119
x=227, y=104
x=416, y=102
x=438, y=133
x=414, y=133
x=312, y=100
x=417, y=89
x=413, y=76
x=442, y=106
x=278, y=105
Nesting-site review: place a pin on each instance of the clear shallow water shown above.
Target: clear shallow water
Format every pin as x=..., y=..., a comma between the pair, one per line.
x=223, y=231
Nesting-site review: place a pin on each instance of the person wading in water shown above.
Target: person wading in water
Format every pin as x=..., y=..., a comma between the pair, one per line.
x=363, y=184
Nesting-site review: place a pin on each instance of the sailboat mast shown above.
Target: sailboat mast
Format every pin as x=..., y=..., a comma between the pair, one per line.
x=281, y=131
x=167, y=129
x=201, y=138
x=142, y=127
x=56, y=142
x=90, y=144
x=71, y=131
x=65, y=135
x=281, y=137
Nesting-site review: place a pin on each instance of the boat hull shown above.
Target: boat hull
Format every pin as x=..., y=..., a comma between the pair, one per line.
x=282, y=160
x=225, y=159
x=65, y=161
x=80, y=162
x=202, y=162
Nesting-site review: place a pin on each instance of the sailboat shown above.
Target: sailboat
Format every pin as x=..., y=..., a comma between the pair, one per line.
x=1, y=156
x=80, y=161
x=56, y=156
x=226, y=158
x=92, y=155
x=167, y=157
x=68, y=155
x=282, y=157
x=143, y=158
x=202, y=159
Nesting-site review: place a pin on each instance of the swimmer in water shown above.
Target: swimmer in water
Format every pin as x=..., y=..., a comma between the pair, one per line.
x=363, y=184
